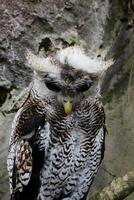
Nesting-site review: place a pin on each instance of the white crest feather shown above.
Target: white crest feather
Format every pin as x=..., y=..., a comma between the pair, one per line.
x=41, y=64
x=75, y=57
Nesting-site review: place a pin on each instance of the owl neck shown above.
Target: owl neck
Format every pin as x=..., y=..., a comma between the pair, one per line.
x=39, y=89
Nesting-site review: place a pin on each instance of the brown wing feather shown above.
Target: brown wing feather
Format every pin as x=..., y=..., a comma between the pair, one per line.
x=19, y=162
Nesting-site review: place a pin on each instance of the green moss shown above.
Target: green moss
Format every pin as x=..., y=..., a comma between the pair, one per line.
x=72, y=40
x=70, y=36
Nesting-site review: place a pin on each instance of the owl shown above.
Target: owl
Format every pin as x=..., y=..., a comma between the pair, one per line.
x=57, y=140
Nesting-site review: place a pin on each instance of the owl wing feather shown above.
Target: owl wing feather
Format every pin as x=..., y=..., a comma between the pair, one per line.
x=94, y=148
x=20, y=156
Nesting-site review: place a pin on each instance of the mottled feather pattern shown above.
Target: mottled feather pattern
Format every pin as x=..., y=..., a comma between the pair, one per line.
x=19, y=160
x=72, y=146
x=23, y=164
x=73, y=153
x=19, y=165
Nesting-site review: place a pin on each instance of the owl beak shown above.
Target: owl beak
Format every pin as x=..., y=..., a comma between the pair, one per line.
x=67, y=106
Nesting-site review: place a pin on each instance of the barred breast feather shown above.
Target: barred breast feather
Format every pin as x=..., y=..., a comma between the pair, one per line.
x=53, y=156
x=73, y=152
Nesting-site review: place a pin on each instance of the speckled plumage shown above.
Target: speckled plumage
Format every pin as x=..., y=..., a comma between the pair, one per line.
x=73, y=154
x=54, y=155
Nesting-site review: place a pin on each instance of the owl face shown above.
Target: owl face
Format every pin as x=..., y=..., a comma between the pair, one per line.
x=68, y=88
x=67, y=75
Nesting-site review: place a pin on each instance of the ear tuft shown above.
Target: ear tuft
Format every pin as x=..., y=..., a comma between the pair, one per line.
x=41, y=64
x=77, y=58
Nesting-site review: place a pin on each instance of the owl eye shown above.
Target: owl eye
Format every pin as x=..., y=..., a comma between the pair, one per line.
x=53, y=86
x=84, y=87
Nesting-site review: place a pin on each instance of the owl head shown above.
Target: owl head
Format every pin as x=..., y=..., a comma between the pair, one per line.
x=68, y=76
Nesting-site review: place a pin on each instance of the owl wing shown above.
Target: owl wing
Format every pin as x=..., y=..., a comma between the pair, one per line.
x=98, y=146
x=94, y=146
x=21, y=150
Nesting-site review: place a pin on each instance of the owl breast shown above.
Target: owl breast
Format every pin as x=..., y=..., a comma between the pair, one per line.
x=69, y=143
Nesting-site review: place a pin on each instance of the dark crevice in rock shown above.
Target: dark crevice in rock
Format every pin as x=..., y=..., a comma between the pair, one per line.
x=3, y=94
x=45, y=44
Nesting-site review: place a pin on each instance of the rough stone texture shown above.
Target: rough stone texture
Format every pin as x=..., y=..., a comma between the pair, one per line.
x=118, y=189
x=104, y=28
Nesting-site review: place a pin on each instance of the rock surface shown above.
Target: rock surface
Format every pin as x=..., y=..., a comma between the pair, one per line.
x=104, y=28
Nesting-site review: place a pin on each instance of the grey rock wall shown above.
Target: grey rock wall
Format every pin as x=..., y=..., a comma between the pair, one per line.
x=103, y=27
